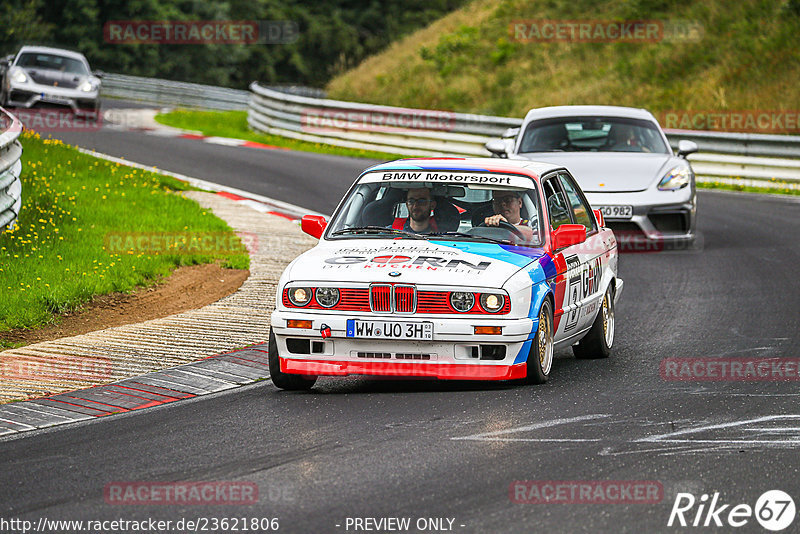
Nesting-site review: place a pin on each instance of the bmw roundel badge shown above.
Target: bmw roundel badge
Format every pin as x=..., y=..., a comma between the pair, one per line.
x=394, y=273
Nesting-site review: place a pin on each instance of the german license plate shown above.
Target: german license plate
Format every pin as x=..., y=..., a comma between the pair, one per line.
x=389, y=330
x=54, y=99
x=617, y=212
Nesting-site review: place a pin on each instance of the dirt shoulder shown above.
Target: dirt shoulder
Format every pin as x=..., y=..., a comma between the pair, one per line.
x=188, y=288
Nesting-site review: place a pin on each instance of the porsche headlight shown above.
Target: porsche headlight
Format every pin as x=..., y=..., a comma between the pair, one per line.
x=492, y=302
x=86, y=86
x=677, y=178
x=300, y=296
x=462, y=301
x=327, y=297
x=19, y=76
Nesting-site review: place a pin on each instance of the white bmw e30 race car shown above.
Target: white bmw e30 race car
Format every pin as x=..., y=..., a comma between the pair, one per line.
x=472, y=269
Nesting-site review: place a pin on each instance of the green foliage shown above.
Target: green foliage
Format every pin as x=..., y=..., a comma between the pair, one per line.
x=713, y=55
x=62, y=250
x=334, y=36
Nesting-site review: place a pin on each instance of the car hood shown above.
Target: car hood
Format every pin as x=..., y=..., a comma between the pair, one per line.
x=611, y=172
x=56, y=78
x=450, y=263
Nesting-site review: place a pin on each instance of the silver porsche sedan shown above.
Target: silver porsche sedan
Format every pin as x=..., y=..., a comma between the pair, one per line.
x=622, y=161
x=46, y=77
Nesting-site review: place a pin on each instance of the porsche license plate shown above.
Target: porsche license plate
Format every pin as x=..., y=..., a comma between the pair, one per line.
x=616, y=212
x=389, y=330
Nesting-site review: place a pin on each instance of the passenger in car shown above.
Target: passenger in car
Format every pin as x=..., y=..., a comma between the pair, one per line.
x=420, y=204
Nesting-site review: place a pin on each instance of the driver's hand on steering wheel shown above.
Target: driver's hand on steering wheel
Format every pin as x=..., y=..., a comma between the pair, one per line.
x=494, y=220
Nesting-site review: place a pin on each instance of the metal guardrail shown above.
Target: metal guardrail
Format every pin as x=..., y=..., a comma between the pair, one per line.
x=189, y=95
x=169, y=93
x=10, y=169
x=405, y=131
x=364, y=126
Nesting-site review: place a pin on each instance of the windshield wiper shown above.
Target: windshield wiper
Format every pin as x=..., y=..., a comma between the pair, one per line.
x=376, y=230
x=473, y=236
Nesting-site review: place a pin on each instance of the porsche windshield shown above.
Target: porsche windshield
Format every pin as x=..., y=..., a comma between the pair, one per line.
x=30, y=60
x=501, y=209
x=592, y=134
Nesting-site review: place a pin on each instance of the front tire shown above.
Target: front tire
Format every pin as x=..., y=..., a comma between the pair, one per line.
x=284, y=380
x=598, y=341
x=540, y=357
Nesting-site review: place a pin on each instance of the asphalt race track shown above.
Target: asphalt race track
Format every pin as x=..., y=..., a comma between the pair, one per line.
x=367, y=448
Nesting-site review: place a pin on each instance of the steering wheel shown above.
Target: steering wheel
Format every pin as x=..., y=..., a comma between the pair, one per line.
x=508, y=226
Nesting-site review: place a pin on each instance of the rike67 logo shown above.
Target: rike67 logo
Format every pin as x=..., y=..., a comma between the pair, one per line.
x=774, y=510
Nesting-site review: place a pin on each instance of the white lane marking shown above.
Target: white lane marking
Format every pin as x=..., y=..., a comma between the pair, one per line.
x=493, y=436
x=225, y=141
x=667, y=438
x=774, y=429
x=277, y=205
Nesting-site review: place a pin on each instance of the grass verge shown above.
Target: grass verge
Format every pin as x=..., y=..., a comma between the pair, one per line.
x=91, y=227
x=748, y=189
x=234, y=124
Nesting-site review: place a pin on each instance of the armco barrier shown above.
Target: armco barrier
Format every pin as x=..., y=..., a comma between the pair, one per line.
x=10, y=169
x=169, y=93
x=189, y=95
x=753, y=157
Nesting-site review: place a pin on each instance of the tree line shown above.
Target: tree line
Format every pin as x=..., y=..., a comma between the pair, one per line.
x=332, y=36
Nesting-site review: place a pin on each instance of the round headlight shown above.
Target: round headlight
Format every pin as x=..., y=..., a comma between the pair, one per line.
x=327, y=297
x=461, y=301
x=491, y=302
x=299, y=296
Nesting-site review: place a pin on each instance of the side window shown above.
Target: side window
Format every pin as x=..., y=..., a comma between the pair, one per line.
x=556, y=207
x=580, y=208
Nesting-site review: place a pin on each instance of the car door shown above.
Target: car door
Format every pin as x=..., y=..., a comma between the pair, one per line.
x=568, y=262
x=590, y=254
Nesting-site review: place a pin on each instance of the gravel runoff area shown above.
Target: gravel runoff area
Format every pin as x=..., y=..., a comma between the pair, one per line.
x=109, y=355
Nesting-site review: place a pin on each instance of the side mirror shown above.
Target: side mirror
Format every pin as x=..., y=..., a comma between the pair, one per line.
x=510, y=133
x=686, y=147
x=497, y=147
x=98, y=74
x=313, y=225
x=568, y=234
x=601, y=222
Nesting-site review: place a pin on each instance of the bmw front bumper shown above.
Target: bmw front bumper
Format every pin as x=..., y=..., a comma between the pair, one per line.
x=455, y=352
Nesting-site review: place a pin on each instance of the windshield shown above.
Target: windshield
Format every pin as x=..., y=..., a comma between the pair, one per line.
x=593, y=134
x=32, y=60
x=386, y=204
